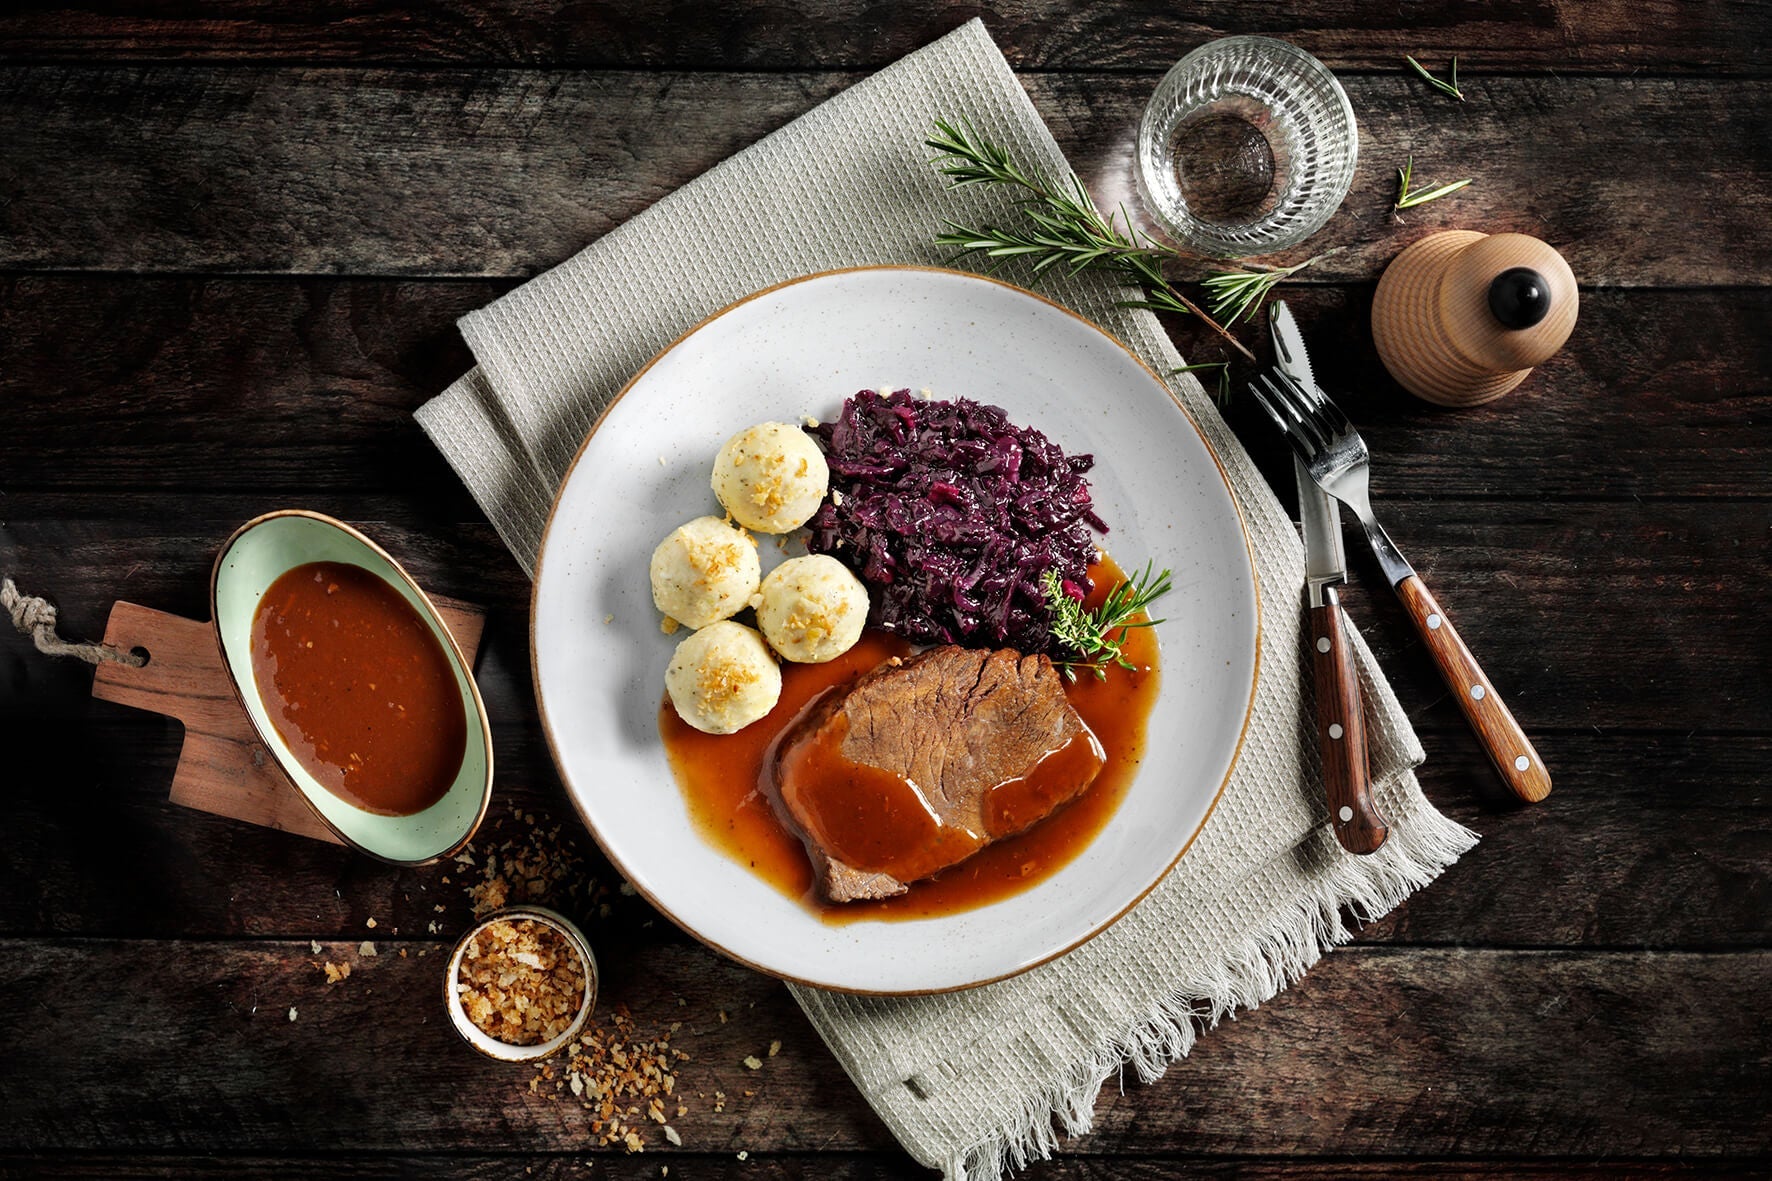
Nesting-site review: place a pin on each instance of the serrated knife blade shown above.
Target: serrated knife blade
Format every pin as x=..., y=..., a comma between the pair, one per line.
x=1325, y=563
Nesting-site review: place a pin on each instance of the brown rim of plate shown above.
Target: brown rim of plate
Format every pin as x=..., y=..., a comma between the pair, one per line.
x=548, y=729
x=272, y=741
x=569, y=931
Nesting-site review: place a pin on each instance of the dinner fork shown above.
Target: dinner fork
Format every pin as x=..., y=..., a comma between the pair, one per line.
x=1336, y=457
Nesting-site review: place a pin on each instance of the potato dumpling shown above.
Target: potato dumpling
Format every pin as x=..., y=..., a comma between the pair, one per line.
x=704, y=572
x=813, y=609
x=722, y=678
x=771, y=477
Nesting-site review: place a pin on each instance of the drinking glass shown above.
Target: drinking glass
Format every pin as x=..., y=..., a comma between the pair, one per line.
x=1247, y=147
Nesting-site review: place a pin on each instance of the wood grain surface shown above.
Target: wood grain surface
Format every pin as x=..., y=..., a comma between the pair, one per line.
x=462, y=172
x=1453, y=1051
x=1603, y=36
x=234, y=241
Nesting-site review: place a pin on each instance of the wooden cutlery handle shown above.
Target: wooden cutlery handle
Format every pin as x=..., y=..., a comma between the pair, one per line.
x=1341, y=735
x=1501, y=736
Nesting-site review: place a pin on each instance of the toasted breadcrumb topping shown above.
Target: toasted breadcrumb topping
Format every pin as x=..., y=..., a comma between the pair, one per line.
x=521, y=982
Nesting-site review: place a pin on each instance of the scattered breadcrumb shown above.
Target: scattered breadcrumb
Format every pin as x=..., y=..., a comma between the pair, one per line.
x=335, y=972
x=314, y=946
x=366, y=948
x=371, y=923
x=620, y=1075
x=774, y=1048
x=668, y=626
x=542, y=865
x=609, y=618
x=752, y=1062
x=521, y=982
x=292, y=1012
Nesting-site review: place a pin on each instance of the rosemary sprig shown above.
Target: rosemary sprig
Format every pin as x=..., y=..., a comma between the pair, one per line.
x=1098, y=637
x=1440, y=85
x=1221, y=396
x=1236, y=294
x=1066, y=230
x=1407, y=199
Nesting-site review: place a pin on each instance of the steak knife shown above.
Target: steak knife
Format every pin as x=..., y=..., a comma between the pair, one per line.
x=1340, y=719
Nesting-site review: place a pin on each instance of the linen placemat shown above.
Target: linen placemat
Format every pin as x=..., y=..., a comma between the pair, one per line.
x=972, y=1081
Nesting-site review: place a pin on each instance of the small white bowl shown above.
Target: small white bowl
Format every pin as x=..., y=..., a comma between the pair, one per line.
x=485, y=1042
x=260, y=552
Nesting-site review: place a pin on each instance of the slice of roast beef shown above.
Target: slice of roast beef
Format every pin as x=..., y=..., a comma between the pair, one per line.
x=922, y=762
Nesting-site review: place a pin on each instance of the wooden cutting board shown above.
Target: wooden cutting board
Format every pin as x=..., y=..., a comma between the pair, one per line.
x=223, y=768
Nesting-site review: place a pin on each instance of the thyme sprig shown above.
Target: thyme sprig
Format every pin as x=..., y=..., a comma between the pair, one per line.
x=1407, y=199
x=1065, y=231
x=1236, y=294
x=1098, y=637
x=1444, y=87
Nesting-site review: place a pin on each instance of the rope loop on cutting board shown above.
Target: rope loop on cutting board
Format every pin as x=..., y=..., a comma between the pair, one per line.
x=35, y=617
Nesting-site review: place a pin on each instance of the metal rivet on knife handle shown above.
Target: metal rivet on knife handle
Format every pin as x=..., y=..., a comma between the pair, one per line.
x=1502, y=739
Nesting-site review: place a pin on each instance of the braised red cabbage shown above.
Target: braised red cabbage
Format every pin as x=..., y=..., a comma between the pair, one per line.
x=952, y=515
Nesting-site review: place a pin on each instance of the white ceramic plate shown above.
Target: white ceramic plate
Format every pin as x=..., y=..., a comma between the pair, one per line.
x=800, y=349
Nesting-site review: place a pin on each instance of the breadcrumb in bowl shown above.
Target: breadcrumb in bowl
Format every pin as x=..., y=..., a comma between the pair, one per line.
x=523, y=968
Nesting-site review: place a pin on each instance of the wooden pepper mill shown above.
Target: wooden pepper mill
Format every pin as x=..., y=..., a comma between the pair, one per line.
x=1461, y=318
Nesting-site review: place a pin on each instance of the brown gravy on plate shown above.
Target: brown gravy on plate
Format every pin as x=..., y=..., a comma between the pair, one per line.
x=720, y=777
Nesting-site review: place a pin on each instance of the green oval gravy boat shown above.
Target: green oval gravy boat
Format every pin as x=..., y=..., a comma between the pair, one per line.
x=259, y=553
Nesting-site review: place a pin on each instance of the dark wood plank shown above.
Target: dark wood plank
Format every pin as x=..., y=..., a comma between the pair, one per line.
x=1374, y=1053
x=307, y=386
x=302, y=385
x=656, y=34
x=835, y=1166
x=1656, y=394
x=1546, y=594
x=1652, y=840
x=1584, y=615
x=460, y=172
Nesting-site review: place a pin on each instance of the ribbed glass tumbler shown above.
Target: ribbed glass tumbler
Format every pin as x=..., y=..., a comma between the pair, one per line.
x=1247, y=147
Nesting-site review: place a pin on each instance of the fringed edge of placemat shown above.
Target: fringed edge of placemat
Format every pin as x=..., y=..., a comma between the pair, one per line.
x=1420, y=848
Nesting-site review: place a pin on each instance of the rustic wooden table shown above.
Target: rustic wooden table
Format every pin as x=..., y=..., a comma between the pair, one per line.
x=233, y=244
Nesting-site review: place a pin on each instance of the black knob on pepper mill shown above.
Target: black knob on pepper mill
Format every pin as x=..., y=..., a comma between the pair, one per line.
x=1460, y=317
x=1519, y=297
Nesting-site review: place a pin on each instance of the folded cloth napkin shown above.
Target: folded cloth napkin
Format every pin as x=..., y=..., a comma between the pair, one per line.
x=969, y=1081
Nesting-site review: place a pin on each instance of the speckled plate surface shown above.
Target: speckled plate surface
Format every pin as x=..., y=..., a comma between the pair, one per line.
x=800, y=349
